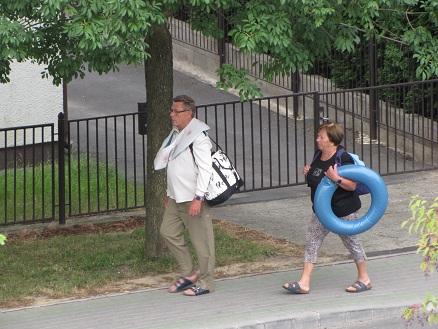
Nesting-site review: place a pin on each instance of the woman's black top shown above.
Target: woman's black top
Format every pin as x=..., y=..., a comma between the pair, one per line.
x=343, y=202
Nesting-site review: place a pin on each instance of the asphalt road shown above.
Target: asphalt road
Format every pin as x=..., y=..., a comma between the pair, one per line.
x=120, y=92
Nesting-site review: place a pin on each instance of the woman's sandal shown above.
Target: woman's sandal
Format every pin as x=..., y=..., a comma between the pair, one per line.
x=359, y=286
x=295, y=288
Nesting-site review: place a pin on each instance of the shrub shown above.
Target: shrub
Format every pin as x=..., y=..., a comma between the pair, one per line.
x=425, y=222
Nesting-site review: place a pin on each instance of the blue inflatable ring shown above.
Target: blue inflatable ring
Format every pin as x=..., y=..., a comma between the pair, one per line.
x=379, y=201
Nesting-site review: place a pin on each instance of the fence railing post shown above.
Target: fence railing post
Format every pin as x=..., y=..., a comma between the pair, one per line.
x=316, y=117
x=221, y=43
x=374, y=95
x=61, y=169
x=296, y=84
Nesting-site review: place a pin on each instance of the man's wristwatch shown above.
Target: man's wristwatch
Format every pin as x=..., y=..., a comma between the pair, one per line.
x=339, y=181
x=199, y=198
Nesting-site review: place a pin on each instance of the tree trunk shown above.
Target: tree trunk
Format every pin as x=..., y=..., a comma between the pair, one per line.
x=159, y=94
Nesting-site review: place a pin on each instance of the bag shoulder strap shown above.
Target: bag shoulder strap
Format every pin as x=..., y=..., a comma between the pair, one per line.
x=191, y=151
x=191, y=146
x=205, y=133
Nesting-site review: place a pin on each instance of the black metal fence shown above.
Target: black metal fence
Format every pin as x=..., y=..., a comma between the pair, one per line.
x=390, y=138
x=374, y=62
x=267, y=143
x=269, y=140
x=106, y=164
x=28, y=173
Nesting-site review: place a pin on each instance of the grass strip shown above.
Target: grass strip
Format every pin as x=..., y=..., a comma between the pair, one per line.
x=69, y=265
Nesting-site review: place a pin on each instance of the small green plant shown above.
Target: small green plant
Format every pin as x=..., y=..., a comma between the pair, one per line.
x=425, y=222
x=2, y=239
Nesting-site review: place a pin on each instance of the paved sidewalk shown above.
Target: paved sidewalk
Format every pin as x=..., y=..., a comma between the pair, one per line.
x=255, y=301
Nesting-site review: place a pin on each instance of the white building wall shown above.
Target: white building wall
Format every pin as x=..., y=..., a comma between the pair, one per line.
x=28, y=100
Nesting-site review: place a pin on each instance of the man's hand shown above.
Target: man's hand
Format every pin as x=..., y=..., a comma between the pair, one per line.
x=195, y=207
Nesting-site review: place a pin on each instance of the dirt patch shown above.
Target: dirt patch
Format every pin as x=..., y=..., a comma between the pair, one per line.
x=288, y=256
x=29, y=234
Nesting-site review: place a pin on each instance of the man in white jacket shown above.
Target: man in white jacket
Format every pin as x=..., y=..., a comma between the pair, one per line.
x=188, y=175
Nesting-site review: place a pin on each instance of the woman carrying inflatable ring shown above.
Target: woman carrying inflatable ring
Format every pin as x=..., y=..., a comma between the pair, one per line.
x=345, y=203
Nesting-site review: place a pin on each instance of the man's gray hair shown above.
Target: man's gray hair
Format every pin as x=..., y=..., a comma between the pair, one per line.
x=189, y=103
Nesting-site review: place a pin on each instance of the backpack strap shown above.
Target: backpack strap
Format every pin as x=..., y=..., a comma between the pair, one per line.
x=317, y=154
x=338, y=160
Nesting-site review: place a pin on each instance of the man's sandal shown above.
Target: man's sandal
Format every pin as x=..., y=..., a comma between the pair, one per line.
x=196, y=291
x=359, y=286
x=181, y=284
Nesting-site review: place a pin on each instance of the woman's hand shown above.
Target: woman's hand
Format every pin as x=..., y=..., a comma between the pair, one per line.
x=332, y=173
x=346, y=184
x=306, y=170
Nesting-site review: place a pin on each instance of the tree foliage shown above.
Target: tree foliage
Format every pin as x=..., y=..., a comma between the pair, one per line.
x=425, y=222
x=71, y=37
x=296, y=34
x=66, y=34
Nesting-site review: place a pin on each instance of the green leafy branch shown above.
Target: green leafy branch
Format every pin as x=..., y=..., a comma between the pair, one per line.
x=239, y=80
x=425, y=222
